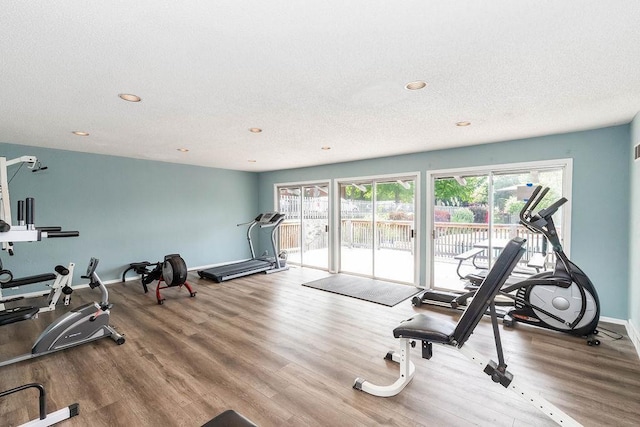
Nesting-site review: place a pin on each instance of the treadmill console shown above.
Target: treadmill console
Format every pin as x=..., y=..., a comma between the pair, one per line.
x=266, y=218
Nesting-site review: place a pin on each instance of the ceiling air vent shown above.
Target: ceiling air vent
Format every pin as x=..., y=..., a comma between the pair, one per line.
x=636, y=152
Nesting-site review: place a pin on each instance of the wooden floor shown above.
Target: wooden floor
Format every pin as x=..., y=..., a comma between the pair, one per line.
x=284, y=354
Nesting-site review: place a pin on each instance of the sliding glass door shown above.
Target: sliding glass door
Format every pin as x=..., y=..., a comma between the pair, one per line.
x=377, y=228
x=474, y=215
x=304, y=233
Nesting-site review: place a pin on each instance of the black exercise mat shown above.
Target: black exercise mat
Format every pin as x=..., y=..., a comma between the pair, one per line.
x=371, y=290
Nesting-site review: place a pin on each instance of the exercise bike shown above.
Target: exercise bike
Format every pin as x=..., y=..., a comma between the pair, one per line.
x=81, y=325
x=563, y=300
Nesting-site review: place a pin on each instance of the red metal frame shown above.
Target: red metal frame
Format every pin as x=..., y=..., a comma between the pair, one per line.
x=159, y=286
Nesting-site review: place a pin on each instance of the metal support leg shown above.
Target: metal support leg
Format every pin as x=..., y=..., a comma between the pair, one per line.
x=534, y=399
x=407, y=370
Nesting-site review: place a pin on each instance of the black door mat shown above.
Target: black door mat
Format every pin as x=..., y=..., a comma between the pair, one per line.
x=363, y=288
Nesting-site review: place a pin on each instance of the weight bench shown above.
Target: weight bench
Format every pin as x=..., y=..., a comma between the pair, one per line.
x=62, y=278
x=430, y=330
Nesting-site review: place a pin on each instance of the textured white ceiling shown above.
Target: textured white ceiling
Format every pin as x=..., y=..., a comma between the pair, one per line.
x=311, y=74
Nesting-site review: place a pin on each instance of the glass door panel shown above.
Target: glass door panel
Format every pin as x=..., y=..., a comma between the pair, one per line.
x=460, y=221
x=290, y=204
x=315, y=228
x=356, y=228
x=394, y=230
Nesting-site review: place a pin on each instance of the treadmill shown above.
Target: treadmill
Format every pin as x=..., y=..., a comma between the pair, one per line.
x=254, y=265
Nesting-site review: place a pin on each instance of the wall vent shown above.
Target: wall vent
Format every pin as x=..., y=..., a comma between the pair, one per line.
x=636, y=152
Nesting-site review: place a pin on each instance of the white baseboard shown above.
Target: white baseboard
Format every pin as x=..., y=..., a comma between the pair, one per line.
x=202, y=267
x=634, y=336
x=632, y=332
x=613, y=320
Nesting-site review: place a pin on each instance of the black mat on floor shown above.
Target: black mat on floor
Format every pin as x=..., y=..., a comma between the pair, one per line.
x=371, y=290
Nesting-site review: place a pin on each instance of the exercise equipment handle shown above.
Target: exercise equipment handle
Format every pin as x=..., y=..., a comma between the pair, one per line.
x=51, y=234
x=20, y=212
x=30, y=212
x=525, y=211
x=553, y=208
x=49, y=228
x=42, y=398
x=535, y=199
x=541, y=196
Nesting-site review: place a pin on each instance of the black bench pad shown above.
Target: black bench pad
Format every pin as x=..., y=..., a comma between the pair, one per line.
x=29, y=280
x=17, y=314
x=423, y=327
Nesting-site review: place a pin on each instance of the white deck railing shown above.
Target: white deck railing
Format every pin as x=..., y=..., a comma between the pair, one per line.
x=450, y=238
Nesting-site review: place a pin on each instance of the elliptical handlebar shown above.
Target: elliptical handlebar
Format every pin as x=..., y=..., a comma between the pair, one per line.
x=526, y=213
x=546, y=212
x=533, y=201
x=542, y=221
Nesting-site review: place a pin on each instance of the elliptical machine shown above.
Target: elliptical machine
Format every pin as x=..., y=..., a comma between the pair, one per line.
x=563, y=300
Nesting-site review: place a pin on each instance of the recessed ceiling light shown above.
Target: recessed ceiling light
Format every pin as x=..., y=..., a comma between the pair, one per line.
x=417, y=85
x=325, y=148
x=251, y=161
x=462, y=124
x=183, y=150
x=255, y=130
x=130, y=97
x=79, y=133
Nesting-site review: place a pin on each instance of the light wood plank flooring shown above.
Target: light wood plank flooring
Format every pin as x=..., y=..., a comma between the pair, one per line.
x=284, y=354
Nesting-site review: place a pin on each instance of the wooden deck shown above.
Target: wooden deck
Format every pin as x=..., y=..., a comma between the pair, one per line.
x=284, y=354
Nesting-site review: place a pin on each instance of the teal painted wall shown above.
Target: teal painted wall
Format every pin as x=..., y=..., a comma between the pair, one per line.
x=634, y=230
x=599, y=201
x=129, y=210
